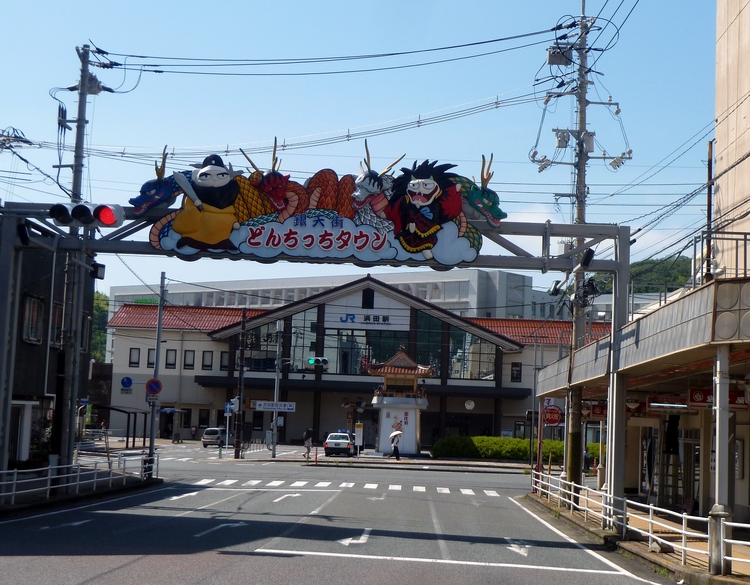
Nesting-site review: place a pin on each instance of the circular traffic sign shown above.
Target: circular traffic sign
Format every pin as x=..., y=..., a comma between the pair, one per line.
x=553, y=415
x=126, y=382
x=153, y=386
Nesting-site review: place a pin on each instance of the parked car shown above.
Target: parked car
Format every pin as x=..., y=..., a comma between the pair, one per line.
x=339, y=444
x=216, y=436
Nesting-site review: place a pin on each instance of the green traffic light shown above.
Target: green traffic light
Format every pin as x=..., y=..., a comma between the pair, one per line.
x=311, y=361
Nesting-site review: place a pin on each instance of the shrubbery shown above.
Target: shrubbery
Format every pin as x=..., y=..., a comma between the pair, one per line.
x=505, y=448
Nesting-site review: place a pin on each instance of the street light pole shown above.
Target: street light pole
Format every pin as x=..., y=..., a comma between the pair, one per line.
x=240, y=390
x=154, y=400
x=277, y=377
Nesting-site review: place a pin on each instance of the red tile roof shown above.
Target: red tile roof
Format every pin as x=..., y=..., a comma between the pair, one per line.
x=142, y=316
x=529, y=331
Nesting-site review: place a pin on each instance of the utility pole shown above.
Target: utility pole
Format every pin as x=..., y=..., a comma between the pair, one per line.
x=74, y=276
x=561, y=55
x=153, y=400
x=240, y=389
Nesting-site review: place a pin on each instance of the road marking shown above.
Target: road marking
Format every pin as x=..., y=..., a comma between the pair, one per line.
x=467, y=492
x=323, y=484
x=74, y=524
x=227, y=482
x=419, y=488
x=394, y=487
x=371, y=486
x=307, y=553
x=286, y=496
x=518, y=547
x=361, y=540
x=276, y=483
x=492, y=493
x=252, y=482
x=183, y=496
x=299, y=484
x=347, y=484
x=234, y=525
x=443, y=490
x=204, y=481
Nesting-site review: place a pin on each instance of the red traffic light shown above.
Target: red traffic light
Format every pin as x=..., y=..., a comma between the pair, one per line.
x=109, y=215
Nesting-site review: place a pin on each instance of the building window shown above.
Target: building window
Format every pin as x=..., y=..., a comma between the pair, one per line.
x=171, y=359
x=188, y=360
x=516, y=369
x=208, y=360
x=204, y=417
x=135, y=357
x=33, y=320
x=368, y=298
x=151, y=360
x=224, y=361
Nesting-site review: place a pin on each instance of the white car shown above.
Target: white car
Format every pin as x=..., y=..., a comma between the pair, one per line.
x=339, y=444
x=216, y=436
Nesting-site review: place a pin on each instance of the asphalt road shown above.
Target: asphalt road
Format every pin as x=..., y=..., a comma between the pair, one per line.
x=283, y=522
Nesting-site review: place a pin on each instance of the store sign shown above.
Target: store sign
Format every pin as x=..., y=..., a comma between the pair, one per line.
x=704, y=398
x=668, y=405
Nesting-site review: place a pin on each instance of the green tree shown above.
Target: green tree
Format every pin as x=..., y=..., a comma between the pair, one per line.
x=99, y=329
x=654, y=276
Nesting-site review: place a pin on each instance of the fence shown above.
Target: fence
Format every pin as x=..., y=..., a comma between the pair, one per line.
x=684, y=537
x=33, y=485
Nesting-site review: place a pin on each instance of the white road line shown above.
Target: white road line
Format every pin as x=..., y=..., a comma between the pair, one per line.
x=419, y=488
x=227, y=482
x=492, y=493
x=299, y=483
x=371, y=486
x=467, y=492
x=204, y=481
x=443, y=490
x=393, y=487
x=252, y=482
x=323, y=484
x=607, y=562
x=276, y=483
x=347, y=484
x=307, y=553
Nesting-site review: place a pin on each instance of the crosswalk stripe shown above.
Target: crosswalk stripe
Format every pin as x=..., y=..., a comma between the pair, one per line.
x=347, y=484
x=419, y=488
x=299, y=484
x=276, y=483
x=443, y=490
x=323, y=484
x=467, y=492
x=394, y=487
x=203, y=482
x=371, y=486
x=227, y=482
x=492, y=493
x=251, y=483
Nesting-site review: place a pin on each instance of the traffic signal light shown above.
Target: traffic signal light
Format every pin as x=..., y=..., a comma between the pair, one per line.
x=90, y=215
x=235, y=404
x=317, y=361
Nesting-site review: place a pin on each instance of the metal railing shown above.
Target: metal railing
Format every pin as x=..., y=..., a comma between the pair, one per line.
x=31, y=485
x=628, y=518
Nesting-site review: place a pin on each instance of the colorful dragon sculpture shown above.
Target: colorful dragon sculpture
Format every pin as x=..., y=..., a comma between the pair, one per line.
x=412, y=206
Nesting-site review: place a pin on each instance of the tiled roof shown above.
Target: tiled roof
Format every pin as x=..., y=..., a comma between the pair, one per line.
x=529, y=331
x=142, y=316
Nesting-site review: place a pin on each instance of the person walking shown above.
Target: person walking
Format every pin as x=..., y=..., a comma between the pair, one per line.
x=394, y=447
x=307, y=439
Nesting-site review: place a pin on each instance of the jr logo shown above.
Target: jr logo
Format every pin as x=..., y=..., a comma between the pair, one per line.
x=348, y=318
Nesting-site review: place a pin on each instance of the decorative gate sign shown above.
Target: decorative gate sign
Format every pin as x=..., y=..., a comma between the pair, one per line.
x=553, y=415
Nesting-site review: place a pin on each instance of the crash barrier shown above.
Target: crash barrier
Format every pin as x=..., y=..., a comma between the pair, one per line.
x=688, y=537
x=32, y=485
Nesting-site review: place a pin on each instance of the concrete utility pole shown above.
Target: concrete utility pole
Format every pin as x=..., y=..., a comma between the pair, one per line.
x=153, y=400
x=240, y=389
x=74, y=275
x=574, y=443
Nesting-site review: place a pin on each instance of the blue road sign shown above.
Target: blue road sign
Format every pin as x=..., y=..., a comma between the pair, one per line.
x=126, y=382
x=153, y=386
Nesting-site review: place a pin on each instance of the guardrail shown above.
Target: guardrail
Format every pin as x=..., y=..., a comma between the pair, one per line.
x=629, y=518
x=21, y=486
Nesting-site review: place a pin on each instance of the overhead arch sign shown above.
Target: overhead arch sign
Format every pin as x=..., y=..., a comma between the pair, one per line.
x=417, y=214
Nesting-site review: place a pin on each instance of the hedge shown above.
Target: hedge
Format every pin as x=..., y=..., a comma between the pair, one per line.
x=505, y=448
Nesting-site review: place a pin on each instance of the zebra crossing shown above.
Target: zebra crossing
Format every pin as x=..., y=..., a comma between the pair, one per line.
x=311, y=484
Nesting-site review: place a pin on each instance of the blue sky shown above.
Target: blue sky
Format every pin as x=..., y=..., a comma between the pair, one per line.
x=660, y=70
